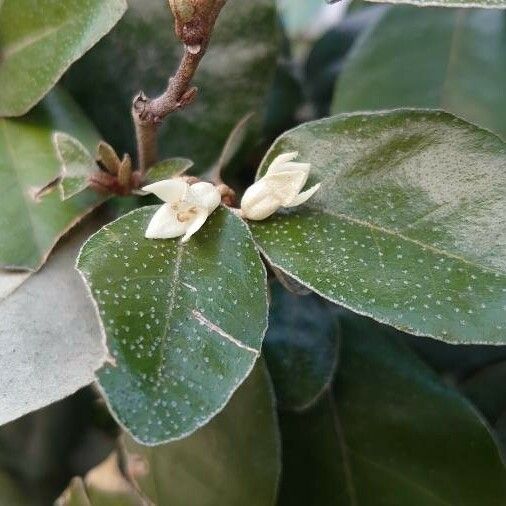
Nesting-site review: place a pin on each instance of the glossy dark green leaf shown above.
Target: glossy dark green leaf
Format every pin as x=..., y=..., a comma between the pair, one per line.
x=233, y=78
x=487, y=390
x=168, y=169
x=234, y=460
x=456, y=58
x=27, y=162
x=500, y=429
x=183, y=321
x=300, y=347
x=40, y=39
x=390, y=433
x=455, y=361
x=77, y=164
x=408, y=225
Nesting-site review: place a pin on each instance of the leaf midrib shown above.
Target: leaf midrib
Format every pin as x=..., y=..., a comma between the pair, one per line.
x=379, y=228
x=27, y=42
x=170, y=306
x=348, y=472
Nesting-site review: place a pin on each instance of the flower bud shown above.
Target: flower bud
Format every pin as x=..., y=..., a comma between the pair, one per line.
x=280, y=187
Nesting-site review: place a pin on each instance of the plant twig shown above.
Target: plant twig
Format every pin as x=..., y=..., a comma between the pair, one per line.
x=148, y=114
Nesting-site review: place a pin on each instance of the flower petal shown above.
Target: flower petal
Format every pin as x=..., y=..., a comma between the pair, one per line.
x=259, y=202
x=165, y=225
x=302, y=197
x=285, y=186
x=168, y=190
x=279, y=161
x=296, y=167
x=204, y=195
x=197, y=222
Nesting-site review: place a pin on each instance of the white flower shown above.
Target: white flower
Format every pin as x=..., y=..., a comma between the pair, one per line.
x=280, y=187
x=186, y=209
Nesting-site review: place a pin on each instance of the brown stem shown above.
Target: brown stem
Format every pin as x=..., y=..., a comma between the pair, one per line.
x=148, y=113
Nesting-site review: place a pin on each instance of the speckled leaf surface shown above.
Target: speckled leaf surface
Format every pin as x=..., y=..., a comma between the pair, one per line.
x=408, y=226
x=391, y=432
x=233, y=460
x=77, y=165
x=233, y=79
x=184, y=322
x=300, y=347
x=458, y=63
x=40, y=39
x=27, y=163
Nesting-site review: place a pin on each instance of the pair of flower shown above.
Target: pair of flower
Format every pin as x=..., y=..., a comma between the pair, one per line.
x=187, y=207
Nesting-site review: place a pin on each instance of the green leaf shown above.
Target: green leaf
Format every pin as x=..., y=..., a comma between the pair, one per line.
x=11, y=493
x=233, y=79
x=406, y=227
x=390, y=432
x=454, y=361
x=168, y=169
x=49, y=335
x=77, y=165
x=457, y=57
x=300, y=348
x=234, y=460
x=488, y=4
x=183, y=321
x=482, y=389
x=40, y=39
x=27, y=163
x=500, y=428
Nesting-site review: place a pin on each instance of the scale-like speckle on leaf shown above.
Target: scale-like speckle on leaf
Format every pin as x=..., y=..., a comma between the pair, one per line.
x=184, y=322
x=409, y=225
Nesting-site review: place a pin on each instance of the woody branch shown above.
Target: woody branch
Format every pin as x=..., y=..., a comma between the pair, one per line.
x=194, y=23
